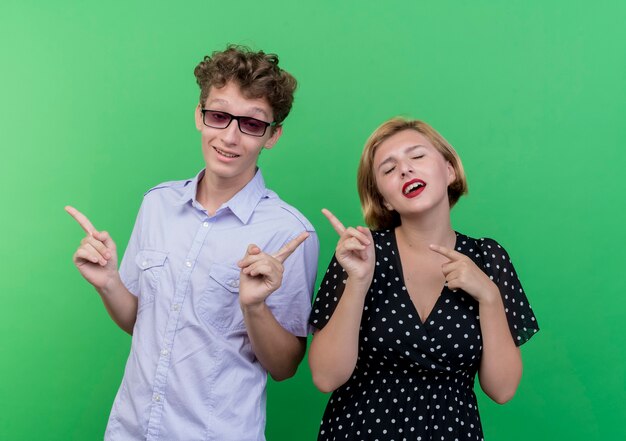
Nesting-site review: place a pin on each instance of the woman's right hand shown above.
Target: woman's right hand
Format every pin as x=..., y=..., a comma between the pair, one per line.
x=355, y=250
x=96, y=257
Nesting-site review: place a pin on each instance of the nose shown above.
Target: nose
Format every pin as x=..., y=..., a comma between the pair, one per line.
x=405, y=169
x=230, y=135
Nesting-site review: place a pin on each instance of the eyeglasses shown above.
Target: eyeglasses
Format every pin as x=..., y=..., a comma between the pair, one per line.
x=220, y=120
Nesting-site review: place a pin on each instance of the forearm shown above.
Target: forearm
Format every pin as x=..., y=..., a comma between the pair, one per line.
x=278, y=350
x=120, y=303
x=501, y=365
x=334, y=349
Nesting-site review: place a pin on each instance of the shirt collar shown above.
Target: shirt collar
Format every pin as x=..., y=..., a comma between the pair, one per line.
x=191, y=187
x=242, y=204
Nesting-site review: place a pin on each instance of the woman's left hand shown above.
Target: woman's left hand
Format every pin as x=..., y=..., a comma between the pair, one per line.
x=462, y=273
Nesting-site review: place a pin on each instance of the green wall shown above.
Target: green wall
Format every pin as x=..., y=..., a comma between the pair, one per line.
x=97, y=102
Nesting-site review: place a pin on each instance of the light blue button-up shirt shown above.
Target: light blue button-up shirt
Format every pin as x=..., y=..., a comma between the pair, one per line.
x=191, y=373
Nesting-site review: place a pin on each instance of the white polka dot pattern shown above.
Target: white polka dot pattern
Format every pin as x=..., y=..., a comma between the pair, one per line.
x=414, y=380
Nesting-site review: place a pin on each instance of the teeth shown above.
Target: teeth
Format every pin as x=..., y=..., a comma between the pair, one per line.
x=222, y=152
x=413, y=187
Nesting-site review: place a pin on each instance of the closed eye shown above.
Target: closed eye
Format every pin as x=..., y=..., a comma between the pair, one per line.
x=390, y=170
x=417, y=157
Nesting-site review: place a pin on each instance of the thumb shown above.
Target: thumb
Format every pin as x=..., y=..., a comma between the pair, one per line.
x=252, y=250
x=367, y=232
x=105, y=238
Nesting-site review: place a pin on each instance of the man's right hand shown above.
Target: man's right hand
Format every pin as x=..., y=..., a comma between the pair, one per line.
x=96, y=257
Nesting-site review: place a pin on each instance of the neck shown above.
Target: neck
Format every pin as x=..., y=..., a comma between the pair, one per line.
x=213, y=191
x=419, y=232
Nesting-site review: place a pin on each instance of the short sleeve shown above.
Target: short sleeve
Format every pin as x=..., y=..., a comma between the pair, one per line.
x=129, y=272
x=328, y=295
x=520, y=316
x=291, y=303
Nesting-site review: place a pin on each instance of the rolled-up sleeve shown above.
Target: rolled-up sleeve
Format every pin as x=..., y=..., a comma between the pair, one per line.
x=129, y=271
x=291, y=303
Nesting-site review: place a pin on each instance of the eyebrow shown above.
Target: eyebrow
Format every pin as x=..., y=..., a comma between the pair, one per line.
x=407, y=150
x=253, y=110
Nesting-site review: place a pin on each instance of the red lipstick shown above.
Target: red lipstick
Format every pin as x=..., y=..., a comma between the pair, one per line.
x=413, y=188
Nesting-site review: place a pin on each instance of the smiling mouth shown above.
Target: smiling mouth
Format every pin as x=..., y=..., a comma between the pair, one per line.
x=413, y=188
x=225, y=154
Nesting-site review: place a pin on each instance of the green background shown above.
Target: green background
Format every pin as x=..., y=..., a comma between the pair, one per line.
x=97, y=107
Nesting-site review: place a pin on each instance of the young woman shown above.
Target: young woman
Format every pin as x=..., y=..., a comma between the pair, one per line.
x=410, y=311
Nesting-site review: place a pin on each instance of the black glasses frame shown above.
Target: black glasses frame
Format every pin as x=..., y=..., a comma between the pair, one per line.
x=238, y=119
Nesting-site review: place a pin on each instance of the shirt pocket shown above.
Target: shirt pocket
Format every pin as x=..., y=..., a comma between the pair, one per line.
x=219, y=303
x=150, y=264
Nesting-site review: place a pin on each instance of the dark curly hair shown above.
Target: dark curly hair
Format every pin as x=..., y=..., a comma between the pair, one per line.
x=256, y=73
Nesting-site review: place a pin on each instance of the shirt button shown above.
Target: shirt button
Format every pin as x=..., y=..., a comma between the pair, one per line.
x=176, y=307
x=188, y=263
x=144, y=263
x=234, y=283
x=164, y=352
x=205, y=224
x=157, y=397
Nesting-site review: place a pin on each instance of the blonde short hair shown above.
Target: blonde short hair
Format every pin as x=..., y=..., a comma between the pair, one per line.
x=376, y=215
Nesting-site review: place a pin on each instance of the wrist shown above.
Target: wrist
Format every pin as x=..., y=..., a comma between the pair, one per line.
x=360, y=284
x=113, y=285
x=491, y=296
x=248, y=308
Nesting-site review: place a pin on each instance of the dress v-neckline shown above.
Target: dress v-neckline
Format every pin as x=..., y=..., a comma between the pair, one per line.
x=444, y=289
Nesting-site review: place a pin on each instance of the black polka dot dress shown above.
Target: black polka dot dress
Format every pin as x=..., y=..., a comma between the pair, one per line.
x=414, y=380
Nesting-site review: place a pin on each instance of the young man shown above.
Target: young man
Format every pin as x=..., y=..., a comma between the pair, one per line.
x=205, y=286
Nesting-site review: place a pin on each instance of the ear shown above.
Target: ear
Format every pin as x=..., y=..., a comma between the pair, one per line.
x=451, y=173
x=198, y=118
x=273, y=139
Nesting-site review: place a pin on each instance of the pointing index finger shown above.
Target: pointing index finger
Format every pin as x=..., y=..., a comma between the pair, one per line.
x=447, y=252
x=336, y=223
x=81, y=219
x=290, y=247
